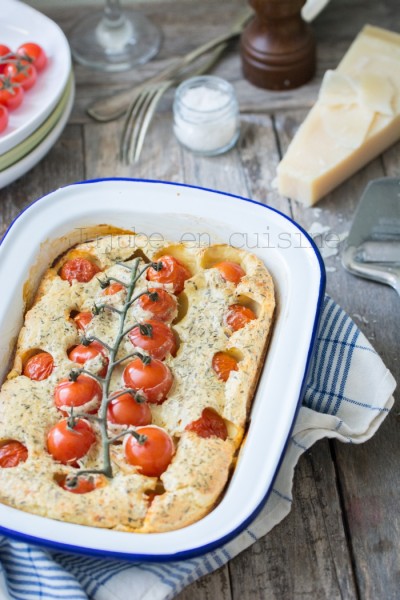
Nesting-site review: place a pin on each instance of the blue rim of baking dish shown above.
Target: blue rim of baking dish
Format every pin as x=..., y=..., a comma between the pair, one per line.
x=199, y=551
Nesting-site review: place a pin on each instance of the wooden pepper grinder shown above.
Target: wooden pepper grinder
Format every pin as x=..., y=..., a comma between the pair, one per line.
x=277, y=46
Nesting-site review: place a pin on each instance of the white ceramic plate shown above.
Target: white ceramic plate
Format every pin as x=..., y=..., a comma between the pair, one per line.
x=30, y=160
x=20, y=23
x=57, y=221
x=312, y=8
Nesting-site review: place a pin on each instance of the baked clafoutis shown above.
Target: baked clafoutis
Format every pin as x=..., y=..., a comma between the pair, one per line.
x=132, y=381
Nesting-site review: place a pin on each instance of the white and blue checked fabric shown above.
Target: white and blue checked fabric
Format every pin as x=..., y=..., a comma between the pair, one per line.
x=348, y=394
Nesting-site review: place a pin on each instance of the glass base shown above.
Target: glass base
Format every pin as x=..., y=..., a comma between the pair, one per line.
x=114, y=45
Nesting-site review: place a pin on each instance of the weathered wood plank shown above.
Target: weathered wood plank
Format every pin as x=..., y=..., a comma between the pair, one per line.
x=215, y=586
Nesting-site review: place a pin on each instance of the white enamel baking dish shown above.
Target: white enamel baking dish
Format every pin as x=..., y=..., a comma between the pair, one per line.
x=55, y=222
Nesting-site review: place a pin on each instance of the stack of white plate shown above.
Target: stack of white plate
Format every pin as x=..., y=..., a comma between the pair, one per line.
x=35, y=126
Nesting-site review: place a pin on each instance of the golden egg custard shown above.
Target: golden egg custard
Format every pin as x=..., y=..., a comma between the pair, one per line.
x=132, y=382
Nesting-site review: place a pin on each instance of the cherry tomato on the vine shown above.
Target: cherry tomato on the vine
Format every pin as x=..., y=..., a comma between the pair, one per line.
x=68, y=444
x=39, y=366
x=153, y=456
x=209, y=424
x=12, y=453
x=83, y=485
x=159, y=303
x=156, y=338
x=125, y=410
x=153, y=379
x=22, y=72
x=230, y=271
x=85, y=390
x=11, y=94
x=238, y=316
x=83, y=319
x=172, y=272
x=5, y=51
x=113, y=288
x=79, y=269
x=33, y=53
x=3, y=118
x=223, y=363
x=81, y=354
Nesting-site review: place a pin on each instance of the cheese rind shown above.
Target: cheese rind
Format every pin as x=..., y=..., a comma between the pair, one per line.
x=356, y=117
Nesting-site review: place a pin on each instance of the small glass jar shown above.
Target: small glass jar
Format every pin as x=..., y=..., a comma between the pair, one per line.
x=206, y=115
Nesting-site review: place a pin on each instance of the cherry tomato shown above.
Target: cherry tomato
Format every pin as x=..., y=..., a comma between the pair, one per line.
x=125, y=410
x=4, y=51
x=77, y=393
x=81, y=354
x=69, y=444
x=12, y=453
x=230, y=271
x=11, y=95
x=154, y=379
x=3, y=118
x=79, y=269
x=112, y=289
x=238, y=316
x=33, y=53
x=223, y=364
x=172, y=272
x=154, y=455
x=83, y=485
x=155, y=338
x=160, y=304
x=83, y=319
x=210, y=424
x=22, y=72
x=39, y=367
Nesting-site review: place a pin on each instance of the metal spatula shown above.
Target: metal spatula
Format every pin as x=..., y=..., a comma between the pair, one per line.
x=372, y=248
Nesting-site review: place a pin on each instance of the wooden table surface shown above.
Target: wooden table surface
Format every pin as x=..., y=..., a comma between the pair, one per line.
x=341, y=539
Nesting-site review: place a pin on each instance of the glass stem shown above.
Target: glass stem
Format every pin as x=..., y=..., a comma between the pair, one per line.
x=113, y=12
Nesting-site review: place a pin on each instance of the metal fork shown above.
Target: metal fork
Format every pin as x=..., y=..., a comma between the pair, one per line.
x=144, y=105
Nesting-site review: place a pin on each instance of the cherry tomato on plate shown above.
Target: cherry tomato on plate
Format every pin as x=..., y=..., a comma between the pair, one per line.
x=81, y=354
x=12, y=453
x=152, y=456
x=33, y=53
x=172, y=272
x=238, y=316
x=3, y=118
x=125, y=410
x=223, y=363
x=39, y=367
x=153, y=379
x=159, y=303
x=11, y=94
x=68, y=444
x=208, y=425
x=83, y=485
x=112, y=289
x=156, y=338
x=83, y=319
x=230, y=271
x=77, y=393
x=5, y=51
x=22, y=72
x=79, y=269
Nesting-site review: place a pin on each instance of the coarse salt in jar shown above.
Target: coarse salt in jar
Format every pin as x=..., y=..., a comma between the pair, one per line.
x=206, y=115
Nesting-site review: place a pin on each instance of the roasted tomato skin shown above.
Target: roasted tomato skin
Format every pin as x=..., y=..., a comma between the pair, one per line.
x=78, y=269
x=223, y=364
x=83, y=485
x=125, y=410
x=77, y=393
x=155, y=338
x=154, y=455
x=113, y=288
x=210, y=424
x=67, y=445
x=83, y=319
x=230, y=271
x=39, y=367
x=154, y=380
x=173, y=272
x=238, y=316
x=12, y=453
x=163, y=308
x=81, y=354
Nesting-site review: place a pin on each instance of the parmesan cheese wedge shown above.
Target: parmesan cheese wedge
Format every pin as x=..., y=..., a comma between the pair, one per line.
x=356, y=117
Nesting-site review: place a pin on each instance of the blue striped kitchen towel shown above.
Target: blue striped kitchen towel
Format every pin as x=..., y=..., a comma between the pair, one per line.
x=348, y=394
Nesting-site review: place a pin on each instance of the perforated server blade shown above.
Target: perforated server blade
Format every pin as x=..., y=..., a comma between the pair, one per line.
x=372, y=248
